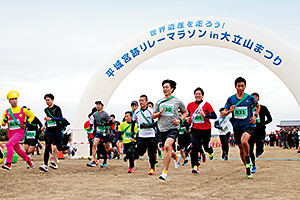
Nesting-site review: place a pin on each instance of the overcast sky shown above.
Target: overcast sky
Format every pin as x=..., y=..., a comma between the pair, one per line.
x=57, y=46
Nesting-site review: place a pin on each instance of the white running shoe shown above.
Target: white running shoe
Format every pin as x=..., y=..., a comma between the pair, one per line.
x=44, y=168
x=163, y=176
x=177, y=163
x=53, y=165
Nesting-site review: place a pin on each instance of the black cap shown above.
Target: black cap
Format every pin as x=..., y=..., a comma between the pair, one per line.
x=134, y=103
x=99, y=102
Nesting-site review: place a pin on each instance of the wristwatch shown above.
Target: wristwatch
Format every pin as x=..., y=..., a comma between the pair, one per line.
x=256, y=115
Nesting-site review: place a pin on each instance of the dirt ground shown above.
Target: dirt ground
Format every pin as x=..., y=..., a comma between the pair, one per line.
x=277, y=178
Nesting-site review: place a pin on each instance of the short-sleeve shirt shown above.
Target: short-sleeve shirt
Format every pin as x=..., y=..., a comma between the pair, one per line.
x=200, y=122
x=172, y=106
x=139, y=117
x=242, y=114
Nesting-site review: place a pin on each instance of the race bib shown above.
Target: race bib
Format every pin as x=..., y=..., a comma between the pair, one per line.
x=199, y=119
x=182, y=130
x=51, y=123
x=169, y=109
x=12, y=125
x=241, y=112
x=30, y=134
x=127, y=135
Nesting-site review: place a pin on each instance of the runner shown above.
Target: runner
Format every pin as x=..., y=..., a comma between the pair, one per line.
x=150, y=105
x=129, y=131
x=90, y=134
x=259, y=134
x=32, y=133
x=166, y=110
x=115, y=135
x=101, y=120
x=225, y=128
x=184, y=140
x=15, y=117
x=146, y=138
x=53, y=132
x=243, y=121
x=200, y=114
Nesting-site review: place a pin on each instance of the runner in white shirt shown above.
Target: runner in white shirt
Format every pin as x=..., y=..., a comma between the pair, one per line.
x=146, y=137
x=225, y=128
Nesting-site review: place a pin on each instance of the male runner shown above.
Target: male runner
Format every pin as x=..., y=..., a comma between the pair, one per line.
x=166, y=110
x=32, y=133
x=200, y=114
x=259, y=134
x=184, y=140
x=15, y=117
x=146, y=138
x=128, y=129
x=101, y=120
x=243, y=121
x=53, y=132
x=225, y=129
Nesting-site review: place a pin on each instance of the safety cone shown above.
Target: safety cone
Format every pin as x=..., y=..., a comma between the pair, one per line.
x=60, y=155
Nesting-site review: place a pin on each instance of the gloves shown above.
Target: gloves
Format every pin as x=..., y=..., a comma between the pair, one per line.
x=5, y=119
x=217, y=125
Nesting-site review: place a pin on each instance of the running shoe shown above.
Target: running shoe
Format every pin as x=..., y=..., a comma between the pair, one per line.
x=199, y=159
x=130, y=170
x=6, y=166
x=53, y=165
x=109, y=156
x=195, y=169
x=97, y=162
x=177, y=163
x=91, y=164
x=44, y=168
x=249, y=175
x=30, y=163
x=103, y=165
x=253, y=169
x=249, y=165
x=74, y=149
x=151, y=172
x=156, y=163
x=185, y=162
x=1, y=159
x=203, y=158
x=90, y=157
x=257, y=155
x=163, y=176
x=225, y=157
x=125, y=159
x=160, y=153
x=116, y=152
x=211, y=156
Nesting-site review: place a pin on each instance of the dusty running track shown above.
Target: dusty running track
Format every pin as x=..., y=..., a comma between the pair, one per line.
x=218, y=179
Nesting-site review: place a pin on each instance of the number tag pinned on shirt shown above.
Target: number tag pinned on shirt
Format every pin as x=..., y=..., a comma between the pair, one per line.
x=241, y=112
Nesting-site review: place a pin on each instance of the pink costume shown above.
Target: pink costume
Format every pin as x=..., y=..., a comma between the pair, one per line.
x=15, y=133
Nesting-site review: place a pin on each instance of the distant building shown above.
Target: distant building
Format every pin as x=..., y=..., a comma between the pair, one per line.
x=289, y=124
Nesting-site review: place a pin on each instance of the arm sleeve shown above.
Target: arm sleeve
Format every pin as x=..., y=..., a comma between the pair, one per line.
x=29, y=114
x=58, y=115
x=2, y=123
x=269, y=120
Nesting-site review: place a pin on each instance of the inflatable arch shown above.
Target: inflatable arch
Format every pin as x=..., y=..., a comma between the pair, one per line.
x=260, y=44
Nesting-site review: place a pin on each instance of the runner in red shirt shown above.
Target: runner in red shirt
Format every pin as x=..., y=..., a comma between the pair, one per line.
x=200, y=114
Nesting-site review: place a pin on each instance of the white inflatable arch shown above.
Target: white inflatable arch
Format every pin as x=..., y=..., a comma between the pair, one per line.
x=258, y=43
